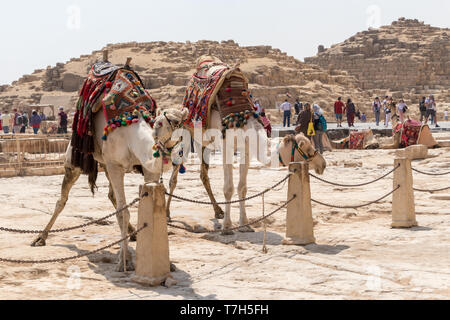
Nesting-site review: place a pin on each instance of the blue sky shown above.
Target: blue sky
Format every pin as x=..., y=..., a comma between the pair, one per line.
x=35, y=34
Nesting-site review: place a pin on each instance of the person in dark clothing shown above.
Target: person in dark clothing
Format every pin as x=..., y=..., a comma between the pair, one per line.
x=303, y=120
x=62, y=127
x=298, y=107
x=423, y=109
x=351, y=112
x=24, y=122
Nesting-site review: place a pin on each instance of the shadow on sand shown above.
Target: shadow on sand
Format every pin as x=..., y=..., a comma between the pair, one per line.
x=104, y=263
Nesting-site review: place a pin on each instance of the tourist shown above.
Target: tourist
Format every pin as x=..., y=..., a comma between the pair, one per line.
x=17, y=119
x=430, y=103
x=358, y=115
x=402, y=108
x=390, y=105
x=42, y=116
x=304, y=118
x=62, y=123
x=1, y=126
x=351, y=112
x=339, y=111
x=298, y=106
x=376, y=105
x=320, y=127
x=363, y=118
x=286, y=107
x=258, y=107
x=6, y=121
x=267, y=125
x=25, y=122
x=423, y=109
x=446, y=115
x=35, y=122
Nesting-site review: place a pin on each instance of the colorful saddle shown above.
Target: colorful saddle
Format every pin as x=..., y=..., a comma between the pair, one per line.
x=123, y=98
x=410, y=132
x=217, y=85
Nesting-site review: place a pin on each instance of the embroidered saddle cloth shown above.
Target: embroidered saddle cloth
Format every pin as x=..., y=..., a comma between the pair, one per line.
x=410, y=132
x=216, y=85
x=123, y=98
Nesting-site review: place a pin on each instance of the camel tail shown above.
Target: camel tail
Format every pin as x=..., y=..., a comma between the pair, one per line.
x=93, y=179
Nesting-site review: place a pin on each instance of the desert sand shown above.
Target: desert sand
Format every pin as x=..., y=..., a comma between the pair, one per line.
x=357, y=255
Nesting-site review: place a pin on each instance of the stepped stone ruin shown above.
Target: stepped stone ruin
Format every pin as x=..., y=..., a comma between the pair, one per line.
x=407, y=59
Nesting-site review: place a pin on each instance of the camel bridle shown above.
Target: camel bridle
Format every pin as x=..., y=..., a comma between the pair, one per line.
x=296, y=148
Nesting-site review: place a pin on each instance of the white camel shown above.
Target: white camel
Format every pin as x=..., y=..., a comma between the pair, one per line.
x=291, y=149
x=125, y=149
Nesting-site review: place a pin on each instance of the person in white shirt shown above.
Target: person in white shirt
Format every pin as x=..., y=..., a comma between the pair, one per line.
x=286, y=107
x=6, y=121
x=402, y=108
x=258, y=107
x=446, y=115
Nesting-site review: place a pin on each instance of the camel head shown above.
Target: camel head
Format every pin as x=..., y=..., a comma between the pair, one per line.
x=305, y=151
x=167, y=122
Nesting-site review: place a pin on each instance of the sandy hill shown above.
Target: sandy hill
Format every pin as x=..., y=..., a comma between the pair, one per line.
x=406, y=59
x=166, y=68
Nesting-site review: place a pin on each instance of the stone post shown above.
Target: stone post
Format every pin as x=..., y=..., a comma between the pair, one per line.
x=152, y=251
x=299, y=221
x=403, y=206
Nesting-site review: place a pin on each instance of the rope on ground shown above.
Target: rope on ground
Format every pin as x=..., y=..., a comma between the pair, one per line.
x=355, y=185
x=231, y=202
x=61, y=260
x=76, y=227
x=236, y=228
x=358, y=206
x=431, y=191
x=436, y=174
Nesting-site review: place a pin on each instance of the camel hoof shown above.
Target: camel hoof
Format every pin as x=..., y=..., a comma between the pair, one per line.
x=219, y=214
x=246, y=229
x=39, y=242
x=173, y=268
x=227, y=232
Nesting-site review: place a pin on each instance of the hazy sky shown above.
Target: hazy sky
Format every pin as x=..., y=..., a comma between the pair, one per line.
x=35, y=34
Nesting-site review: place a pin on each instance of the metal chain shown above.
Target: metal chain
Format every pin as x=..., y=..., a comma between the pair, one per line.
x=355, y=185
x=60, y=260
x=76, y=227
x=236, y=228
x=356, y=207
x=230, y=202
x=431, y=191
x=431, y=173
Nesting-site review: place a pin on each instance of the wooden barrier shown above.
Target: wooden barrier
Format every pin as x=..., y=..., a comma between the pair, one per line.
x=403, y=205
x=299, y=221
x=152, y=252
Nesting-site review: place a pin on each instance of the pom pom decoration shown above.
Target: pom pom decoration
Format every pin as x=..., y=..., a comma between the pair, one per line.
x=182, y=169
x=157, y=154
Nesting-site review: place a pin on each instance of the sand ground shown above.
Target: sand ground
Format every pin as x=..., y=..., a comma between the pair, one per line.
x=357, y=255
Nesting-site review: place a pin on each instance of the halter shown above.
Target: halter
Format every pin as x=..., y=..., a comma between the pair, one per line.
x=296, y=147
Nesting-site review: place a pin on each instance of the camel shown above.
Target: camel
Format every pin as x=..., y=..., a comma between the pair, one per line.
x=125, y=149
x=304, y=151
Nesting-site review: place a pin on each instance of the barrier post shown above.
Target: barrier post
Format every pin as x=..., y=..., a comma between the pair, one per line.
x=152, y=251
x=403, y=206
x=299, y=220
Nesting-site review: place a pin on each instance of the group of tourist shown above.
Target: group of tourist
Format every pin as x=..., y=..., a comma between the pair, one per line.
x=17, y=122
x=349, y=109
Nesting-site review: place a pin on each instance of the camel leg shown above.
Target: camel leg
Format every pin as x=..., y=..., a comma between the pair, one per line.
x=117, y=174
x=228, y=189
x=70, y=179
x=204, y=176
x=172, y=185
x=242, y=190
x=112, y=198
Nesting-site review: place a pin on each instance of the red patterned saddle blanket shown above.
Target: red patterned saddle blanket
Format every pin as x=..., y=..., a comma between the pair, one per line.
x=356, y=140
x=410, y=131
x=218, y=86
x=123, y=98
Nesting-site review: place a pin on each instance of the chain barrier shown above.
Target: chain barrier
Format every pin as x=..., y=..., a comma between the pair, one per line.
x=61, y=260
x=431, y=173
x=355, y=185
x=265, y=217
x=76, y=227
x=231, y=202
x=358, y=206
x=431, y=191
